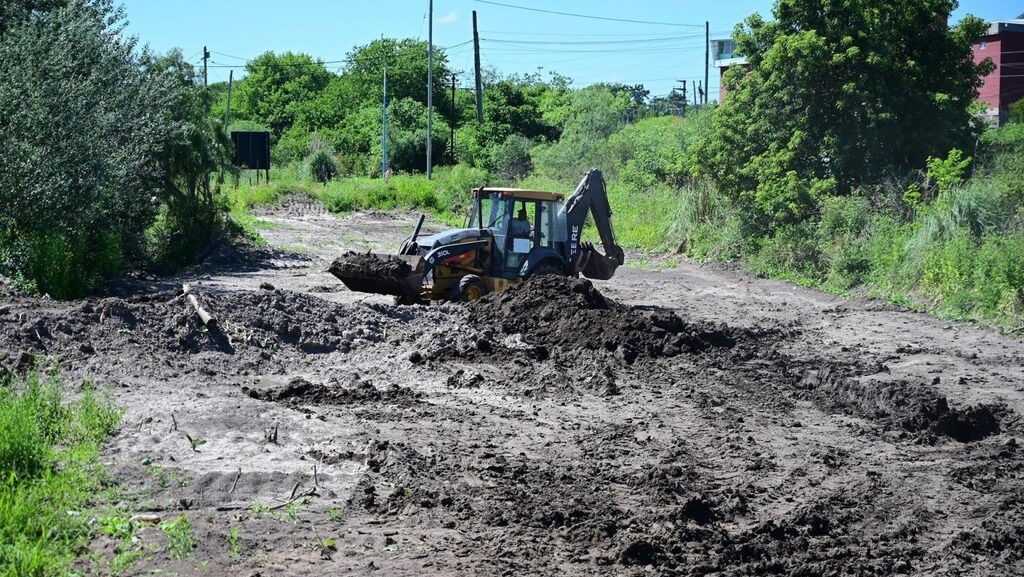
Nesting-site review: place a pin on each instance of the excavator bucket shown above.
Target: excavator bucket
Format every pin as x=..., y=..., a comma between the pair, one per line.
x=384, y=274
x=597, y=266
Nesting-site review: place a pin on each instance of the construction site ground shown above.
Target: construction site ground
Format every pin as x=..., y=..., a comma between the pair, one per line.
x=700, y=421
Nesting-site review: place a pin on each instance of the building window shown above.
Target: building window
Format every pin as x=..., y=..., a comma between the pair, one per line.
x=984, y=45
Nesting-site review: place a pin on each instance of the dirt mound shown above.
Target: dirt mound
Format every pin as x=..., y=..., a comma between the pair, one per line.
x=914, y=407
x=255, y=329
x=298, y=391
x=570, y=313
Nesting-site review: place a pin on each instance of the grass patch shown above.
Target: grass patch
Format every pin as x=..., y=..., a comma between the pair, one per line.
x=180, y=540
x=49, y=449
x=446, y=197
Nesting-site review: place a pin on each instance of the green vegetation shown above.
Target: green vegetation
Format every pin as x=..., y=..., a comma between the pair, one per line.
x=864, y=184
x=835, y=162
x=235, y=542
x=82, y=197
x=180, y=541
x=48, y=462
x=847, y=156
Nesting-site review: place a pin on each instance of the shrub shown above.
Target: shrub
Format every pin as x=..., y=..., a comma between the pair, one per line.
x=511, y=158
x=950, y=171
x=322, y=166
x=78, y=190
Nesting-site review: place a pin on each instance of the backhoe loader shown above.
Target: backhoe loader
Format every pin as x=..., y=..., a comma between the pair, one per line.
x=510, y=235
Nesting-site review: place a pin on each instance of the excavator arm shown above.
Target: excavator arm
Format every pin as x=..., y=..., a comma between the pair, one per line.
x=591, y=197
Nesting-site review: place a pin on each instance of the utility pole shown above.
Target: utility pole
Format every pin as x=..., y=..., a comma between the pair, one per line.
x=227, y=111
x=707, y=58
x=451, y=143
x=384, y=131
x=684, y=97
x=430, y=90
x=696, y=98
x=479, y=82
x=206, y=58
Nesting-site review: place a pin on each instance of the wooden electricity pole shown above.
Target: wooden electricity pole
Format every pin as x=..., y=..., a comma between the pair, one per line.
x=206, y=58
x=430, y=90
x=479, y=81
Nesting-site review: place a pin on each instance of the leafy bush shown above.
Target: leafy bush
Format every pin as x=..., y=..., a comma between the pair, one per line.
x=950, y=171
x=321, y=166
x=1004, y=159
x=511, y=158
x=78, y=190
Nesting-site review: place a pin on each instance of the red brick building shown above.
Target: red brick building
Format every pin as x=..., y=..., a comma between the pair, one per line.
x=1004, y=44
x=723, y=51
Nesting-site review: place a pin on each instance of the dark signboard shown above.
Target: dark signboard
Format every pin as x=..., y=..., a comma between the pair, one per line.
x=252, y=150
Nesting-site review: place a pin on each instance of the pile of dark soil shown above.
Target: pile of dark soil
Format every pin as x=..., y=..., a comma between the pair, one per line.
x=353, y=265
x=913, y=407
x=570, y=313
x=300, y=391
x=162, y=329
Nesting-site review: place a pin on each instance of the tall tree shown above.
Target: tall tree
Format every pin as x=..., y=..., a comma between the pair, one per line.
x=277, y=86
x=406, y=61
x=839, y=93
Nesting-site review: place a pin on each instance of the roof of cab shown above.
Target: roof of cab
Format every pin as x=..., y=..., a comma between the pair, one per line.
x=522, y=193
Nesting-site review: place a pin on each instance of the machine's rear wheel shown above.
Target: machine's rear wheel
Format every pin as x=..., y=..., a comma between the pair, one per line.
x=471, y=287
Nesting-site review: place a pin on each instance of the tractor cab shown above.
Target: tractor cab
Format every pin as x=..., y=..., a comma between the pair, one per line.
x=523, y=227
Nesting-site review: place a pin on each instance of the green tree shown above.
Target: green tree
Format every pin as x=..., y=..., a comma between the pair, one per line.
x=838, y=94
x=277, y=87
x=96, y=136
x=406, y=63
x=194, y=146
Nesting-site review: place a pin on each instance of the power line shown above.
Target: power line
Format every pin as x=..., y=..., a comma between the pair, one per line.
x=556, y=12
x=588, y=34
x=229, y=56
x=584, y=42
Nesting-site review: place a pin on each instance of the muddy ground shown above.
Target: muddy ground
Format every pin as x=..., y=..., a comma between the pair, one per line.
x=676, y=420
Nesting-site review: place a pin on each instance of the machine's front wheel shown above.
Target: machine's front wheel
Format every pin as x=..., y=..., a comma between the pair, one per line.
x=547, y=268
x=471, y=288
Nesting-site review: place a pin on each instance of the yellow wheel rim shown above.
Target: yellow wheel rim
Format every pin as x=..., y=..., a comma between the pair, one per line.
x=474, y=293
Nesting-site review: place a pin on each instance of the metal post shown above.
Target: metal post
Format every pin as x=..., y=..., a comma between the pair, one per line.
x=227, y=110
x=430, y=90
x=707, y=58
x=455, y=120
x=384, y=132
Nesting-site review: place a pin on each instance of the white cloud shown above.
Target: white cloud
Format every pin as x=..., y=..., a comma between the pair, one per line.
x=449, y=18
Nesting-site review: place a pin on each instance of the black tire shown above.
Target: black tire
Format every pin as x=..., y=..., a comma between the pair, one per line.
x=547, y=268
x=470, y=288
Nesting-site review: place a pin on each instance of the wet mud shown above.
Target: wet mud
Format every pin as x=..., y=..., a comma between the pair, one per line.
x=561, y=427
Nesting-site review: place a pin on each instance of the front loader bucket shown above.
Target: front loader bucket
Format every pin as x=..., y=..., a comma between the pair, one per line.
x=597, y=266
x=384, y=274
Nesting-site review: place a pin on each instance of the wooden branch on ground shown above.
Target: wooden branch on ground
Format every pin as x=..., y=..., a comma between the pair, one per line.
x=208, y=320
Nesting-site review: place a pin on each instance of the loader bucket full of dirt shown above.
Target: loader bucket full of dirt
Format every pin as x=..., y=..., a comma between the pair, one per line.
x=384, y=274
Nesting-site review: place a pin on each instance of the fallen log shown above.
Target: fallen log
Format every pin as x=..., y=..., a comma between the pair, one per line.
x=208, y=320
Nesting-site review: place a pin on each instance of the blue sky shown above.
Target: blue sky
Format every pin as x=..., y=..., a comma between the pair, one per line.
x=656, y=55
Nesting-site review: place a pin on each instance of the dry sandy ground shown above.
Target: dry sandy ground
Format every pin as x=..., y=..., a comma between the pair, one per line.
x=337, y=434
